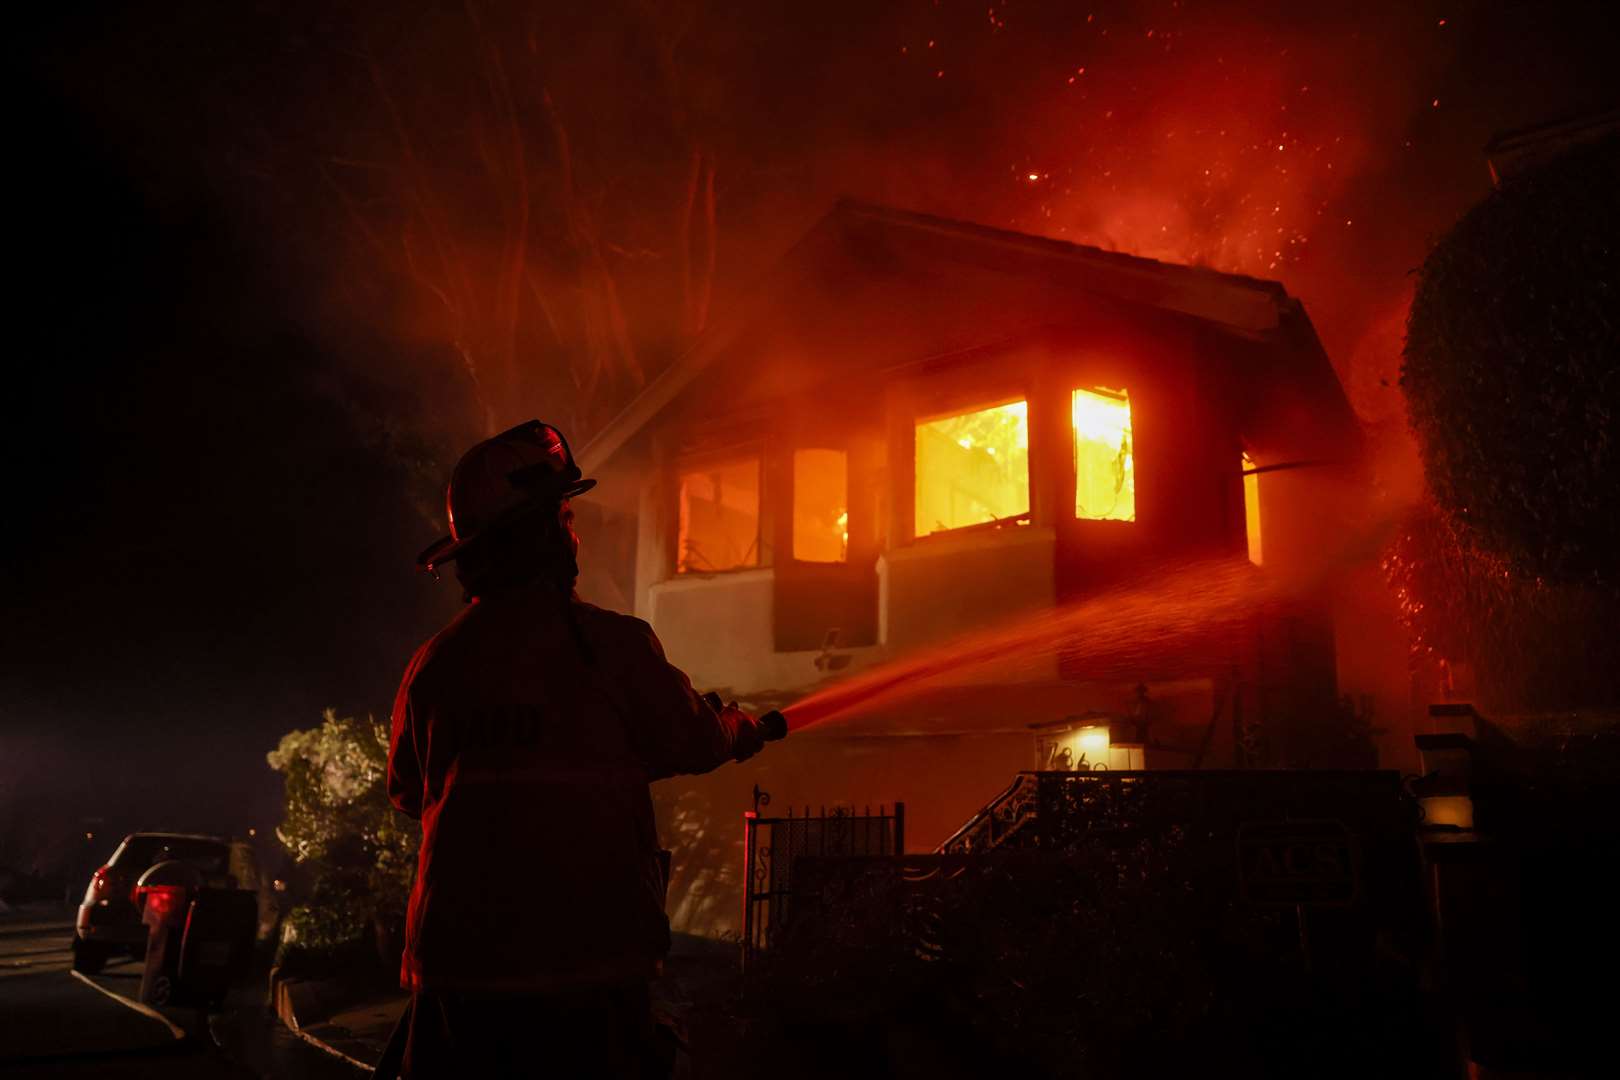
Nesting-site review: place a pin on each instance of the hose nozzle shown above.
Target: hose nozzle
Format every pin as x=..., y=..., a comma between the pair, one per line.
x=773, y=725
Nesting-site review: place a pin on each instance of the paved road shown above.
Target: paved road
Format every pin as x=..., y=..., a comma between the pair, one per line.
x=53, y=1024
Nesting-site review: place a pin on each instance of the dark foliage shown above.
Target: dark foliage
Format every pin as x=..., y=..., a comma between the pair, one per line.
x=1543, y=789
x=1512, y=369
x=1550, y=773
x=1531, y=645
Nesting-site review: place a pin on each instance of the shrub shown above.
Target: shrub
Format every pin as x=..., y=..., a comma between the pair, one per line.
x=1512, y=370
x=1512, y=378
x=1532, y=645
x=356, y=852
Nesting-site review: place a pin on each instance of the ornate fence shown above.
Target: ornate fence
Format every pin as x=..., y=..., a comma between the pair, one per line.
x=1264, y=841
x=1051, y=811
x=1103, y=924
x=772, y=845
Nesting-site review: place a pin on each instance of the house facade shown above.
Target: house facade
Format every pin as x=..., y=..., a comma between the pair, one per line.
x=918, y=429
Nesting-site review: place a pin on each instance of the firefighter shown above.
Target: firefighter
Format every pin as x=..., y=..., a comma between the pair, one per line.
x=525, y=734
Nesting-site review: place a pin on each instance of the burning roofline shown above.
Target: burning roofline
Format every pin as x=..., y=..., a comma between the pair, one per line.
x=1248, y=304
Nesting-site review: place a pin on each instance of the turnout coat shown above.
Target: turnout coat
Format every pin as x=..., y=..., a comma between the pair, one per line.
x=524, y=737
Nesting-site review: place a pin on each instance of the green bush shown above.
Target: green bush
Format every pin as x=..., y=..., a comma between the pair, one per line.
x=356, y=854
x=1512, y=370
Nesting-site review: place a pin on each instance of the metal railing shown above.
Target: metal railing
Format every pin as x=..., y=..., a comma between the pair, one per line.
x=1054, y=810
x=772, y=844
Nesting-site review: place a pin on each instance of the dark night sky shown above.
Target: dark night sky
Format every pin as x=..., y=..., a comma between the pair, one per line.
x=230, y=400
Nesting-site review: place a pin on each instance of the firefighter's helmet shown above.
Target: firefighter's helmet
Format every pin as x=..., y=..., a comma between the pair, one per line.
x=526, y=468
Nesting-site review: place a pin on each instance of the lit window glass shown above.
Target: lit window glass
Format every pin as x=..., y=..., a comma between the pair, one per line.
x=973, y=468
x=1104, y=461
x=820, y=506
x=1251, y=509
x=719, y=518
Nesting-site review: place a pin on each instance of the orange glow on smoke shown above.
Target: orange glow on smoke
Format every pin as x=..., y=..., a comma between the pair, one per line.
x=972, y=468
x=1234, y=165
x=1104, y=461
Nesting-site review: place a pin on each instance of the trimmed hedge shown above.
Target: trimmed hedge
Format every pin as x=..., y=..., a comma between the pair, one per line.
x=1512, y=369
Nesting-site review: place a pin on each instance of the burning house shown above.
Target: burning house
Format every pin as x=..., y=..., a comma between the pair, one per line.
x=919, y=429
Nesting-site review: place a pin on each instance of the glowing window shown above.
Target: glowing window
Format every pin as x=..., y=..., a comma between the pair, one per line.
x=820, y=505
x=973, y=468
x=1104, y=462
x=719, y=518
x=1251, y=509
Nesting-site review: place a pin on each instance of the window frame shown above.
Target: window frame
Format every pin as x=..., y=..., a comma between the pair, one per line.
x=792, y=502
x=696, y=462
x=964, y=400
x=1073, y=438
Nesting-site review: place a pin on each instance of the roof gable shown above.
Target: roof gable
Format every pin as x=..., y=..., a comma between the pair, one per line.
x=861, y=248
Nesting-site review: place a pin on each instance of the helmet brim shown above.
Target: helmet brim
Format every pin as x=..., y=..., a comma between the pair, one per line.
x=446, y=548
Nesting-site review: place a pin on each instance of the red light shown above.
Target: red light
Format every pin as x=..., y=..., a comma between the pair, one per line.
x=161, y=900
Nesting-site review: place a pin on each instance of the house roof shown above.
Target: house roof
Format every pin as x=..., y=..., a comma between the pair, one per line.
x=1512, y=152
x=1250, y=307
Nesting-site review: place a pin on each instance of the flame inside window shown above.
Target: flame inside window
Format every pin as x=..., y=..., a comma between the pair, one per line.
x=1251, y=509
x=719, y=518
x=973, y=468
x=820, y=506
x=1104, y=459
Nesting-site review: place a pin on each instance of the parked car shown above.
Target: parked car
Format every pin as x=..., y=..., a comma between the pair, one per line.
x=109, y=919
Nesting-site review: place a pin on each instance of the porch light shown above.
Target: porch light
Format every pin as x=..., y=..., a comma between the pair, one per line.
x=1444, y=788
x=1448, y=812
x=1082, y=744
x=1092, y=743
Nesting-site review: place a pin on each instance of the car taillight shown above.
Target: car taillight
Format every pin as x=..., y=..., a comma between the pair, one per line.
x=161, y=900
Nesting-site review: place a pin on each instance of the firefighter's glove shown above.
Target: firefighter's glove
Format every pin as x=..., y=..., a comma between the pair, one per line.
x=748, y=740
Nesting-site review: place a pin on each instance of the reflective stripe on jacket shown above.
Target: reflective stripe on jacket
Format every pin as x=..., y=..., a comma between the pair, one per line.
x=528, y=767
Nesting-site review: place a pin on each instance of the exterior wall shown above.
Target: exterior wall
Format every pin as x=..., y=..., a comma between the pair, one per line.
x=653, y=548
x=950, y=584
x=717, y=628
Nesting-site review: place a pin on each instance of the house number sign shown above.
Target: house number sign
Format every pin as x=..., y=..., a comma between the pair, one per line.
x=1293, y=863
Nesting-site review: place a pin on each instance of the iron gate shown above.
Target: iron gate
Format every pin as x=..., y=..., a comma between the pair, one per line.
x=771, y=844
